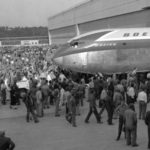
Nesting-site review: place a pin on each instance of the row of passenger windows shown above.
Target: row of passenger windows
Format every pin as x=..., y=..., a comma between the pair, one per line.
x=107, y=44
x=135, y=34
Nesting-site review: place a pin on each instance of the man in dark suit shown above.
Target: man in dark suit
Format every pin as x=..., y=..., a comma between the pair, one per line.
x=5, y=142
x=109, y=107
x=147, y=122
x=25, y=95
x=131, y=125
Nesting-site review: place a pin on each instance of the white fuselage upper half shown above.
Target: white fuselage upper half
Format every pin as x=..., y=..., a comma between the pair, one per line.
x=117, y=34
x=126, y=34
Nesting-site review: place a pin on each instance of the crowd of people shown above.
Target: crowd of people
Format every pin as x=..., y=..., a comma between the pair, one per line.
x=28, y=75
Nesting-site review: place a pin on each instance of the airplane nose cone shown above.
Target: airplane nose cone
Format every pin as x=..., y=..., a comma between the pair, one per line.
x=58, y=60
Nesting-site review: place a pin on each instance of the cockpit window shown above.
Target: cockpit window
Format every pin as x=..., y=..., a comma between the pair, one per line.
x=75, y=43
x=87, y=38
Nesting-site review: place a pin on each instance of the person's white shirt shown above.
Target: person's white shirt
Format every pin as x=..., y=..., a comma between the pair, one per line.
x=142, y=96
x=6, y=84
x=131, y=92
x=49, y=77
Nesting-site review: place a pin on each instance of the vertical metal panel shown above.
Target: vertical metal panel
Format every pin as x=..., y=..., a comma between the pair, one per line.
x=137, y=19
x=50, y=39
x=62, y=35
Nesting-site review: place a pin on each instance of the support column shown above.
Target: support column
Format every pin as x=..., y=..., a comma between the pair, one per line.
x=50, y=38
x=77, y=30
x=114, y=76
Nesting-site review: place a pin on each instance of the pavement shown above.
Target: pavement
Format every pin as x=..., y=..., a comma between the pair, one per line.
x=55, y=133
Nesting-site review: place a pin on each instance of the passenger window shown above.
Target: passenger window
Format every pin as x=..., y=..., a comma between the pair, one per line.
x=126, y=35
x=136, y=34
x=76, y=43
x=144, y=34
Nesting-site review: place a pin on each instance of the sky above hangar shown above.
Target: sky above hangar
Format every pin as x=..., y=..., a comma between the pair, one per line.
x=31, y=12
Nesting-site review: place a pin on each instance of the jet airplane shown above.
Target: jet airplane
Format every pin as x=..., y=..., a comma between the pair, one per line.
x=107, y=51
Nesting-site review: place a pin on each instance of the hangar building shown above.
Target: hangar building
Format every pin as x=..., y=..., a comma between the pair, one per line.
x=98, y=14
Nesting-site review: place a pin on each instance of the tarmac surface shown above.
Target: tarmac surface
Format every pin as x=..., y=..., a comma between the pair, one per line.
x=55, y=133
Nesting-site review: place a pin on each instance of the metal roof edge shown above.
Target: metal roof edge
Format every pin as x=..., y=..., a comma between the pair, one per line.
x=73, y=7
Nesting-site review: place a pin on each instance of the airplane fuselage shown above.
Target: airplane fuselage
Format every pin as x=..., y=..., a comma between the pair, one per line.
x=107, y=51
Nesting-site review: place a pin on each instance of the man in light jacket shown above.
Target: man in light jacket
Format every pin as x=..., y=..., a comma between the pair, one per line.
x=142, y=99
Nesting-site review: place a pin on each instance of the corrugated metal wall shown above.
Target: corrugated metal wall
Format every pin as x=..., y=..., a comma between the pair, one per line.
x=62, y=35
x=96, y=9
x=136, y=19
x=99, y=14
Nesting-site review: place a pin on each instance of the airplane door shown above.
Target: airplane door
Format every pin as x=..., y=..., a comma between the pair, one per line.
x=83, y=58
